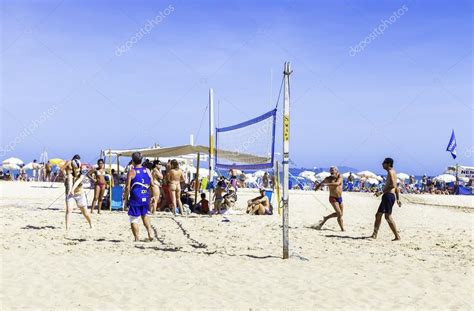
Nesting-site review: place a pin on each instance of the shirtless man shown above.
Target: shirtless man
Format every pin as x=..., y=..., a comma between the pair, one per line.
x=334, y=183
x=48, y=168
x=74, y=191
x=390, y=193
x=175, y=178
x=259, y=205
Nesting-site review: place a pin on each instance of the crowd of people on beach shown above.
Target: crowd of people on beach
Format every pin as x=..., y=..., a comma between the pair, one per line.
x=150, y=186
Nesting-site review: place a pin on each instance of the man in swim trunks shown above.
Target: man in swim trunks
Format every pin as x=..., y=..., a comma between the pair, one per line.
x=390, y=194
x=334, y=183
x=73, y=178
x=259, y=205
x=137, y=193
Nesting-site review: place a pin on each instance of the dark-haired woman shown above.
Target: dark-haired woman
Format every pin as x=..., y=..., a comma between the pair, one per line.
x=98, y=175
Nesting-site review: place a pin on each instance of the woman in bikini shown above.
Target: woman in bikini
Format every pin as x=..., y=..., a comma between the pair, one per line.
x=175, y=177
x=156, y=177
x=98, y=175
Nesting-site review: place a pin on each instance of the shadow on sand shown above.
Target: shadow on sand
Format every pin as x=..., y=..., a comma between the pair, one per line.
x=347, y=237
x=30, y=227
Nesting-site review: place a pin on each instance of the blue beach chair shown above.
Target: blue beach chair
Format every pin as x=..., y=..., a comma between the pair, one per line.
x=117, y=193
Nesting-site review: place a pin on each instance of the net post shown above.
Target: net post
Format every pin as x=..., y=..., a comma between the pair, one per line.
x=286, y=158
x=211, y=140
x=110, y=180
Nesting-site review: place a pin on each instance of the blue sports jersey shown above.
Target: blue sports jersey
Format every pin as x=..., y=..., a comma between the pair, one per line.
x=140, y=188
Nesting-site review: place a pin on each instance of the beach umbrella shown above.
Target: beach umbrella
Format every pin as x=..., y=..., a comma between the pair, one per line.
x=307, y=174
x=10, y=166
x=403, y=176
x=372, y=181
x=346, y=175
x=379, y=178
x=322, y=175
x=367, y=174
x=16, y=161
x=28, y=166
x=57, y=161
x=445, y=178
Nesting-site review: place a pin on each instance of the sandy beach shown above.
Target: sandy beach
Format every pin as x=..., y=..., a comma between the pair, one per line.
x=233, y=262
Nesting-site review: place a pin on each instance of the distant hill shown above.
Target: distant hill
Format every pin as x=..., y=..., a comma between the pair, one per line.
x=295, y=171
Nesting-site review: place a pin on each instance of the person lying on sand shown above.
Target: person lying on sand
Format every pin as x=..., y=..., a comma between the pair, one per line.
x=137, y=193
x=259, y=205
x=390, y=193
x=334, y=183
x=74, y=192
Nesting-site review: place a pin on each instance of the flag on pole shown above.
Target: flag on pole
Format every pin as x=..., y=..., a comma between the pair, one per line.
x=452, y=145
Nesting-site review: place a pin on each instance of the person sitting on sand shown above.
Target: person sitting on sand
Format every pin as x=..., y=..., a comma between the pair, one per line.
x=137, y=193
x=229, y=199
x=98, y=176
x=334, y=183
x=202, y=207
x=219, y=193
x=259, y=205
x=390, y=194
x=73, y=178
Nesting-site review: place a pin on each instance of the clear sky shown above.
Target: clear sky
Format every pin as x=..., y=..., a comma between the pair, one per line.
x=357, y=95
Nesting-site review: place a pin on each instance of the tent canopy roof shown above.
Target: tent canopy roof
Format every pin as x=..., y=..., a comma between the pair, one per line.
x=186, y=150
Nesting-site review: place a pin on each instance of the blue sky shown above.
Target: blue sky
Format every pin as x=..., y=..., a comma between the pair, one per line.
x=399, y=96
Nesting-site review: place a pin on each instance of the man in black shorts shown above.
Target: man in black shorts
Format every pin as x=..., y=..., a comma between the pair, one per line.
x=390, y=194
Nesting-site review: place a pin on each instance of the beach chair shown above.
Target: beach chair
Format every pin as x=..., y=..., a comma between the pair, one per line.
x=117, y=193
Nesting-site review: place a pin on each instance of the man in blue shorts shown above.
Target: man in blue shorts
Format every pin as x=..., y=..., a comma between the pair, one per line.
x=390, y=194
x=137, y=193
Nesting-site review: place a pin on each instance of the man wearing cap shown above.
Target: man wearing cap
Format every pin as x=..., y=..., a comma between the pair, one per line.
x=73, y=178
x=334, y=183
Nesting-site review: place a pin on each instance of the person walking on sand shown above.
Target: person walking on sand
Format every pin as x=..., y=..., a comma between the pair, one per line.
x=74, y=191
x=334, y=183
x=390, y=194
x=137, y=193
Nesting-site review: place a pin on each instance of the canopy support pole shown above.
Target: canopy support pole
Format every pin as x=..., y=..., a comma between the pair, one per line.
x=196, y=184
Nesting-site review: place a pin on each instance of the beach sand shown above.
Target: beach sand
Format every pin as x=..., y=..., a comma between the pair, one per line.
x=235, y=261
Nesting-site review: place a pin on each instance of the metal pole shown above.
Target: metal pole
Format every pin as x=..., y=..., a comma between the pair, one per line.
x=110, y=180
x=286, y=158
x=196, y=184
x=211, y=139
